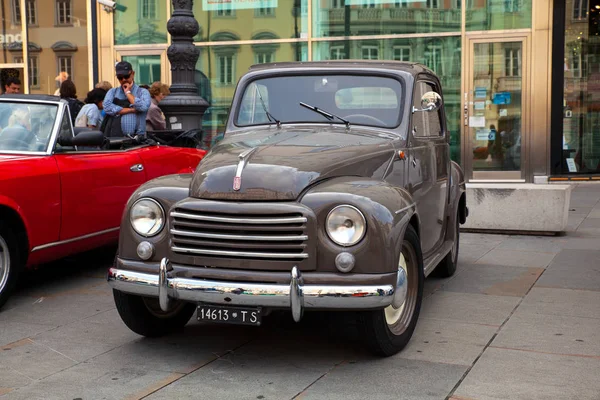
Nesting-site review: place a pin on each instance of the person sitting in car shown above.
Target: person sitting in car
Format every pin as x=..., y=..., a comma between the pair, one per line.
x=90, y=114
x=17, y=135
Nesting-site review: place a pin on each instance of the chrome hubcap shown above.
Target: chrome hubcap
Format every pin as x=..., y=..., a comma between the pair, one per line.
x=4, y=263
x=393, y=314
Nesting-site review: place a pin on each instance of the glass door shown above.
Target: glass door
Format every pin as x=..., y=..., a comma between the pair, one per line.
x=495, y=110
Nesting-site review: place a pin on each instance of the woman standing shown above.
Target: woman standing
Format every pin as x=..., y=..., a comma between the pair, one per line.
x=69, y=93
x=155, y=119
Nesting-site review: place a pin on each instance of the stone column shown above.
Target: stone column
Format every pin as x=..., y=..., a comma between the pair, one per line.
x=183, y=108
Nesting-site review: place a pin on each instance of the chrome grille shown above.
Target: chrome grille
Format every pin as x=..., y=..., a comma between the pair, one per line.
x=276, y=237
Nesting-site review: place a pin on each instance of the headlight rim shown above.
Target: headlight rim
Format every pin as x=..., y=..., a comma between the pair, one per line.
x=364, y=220
x=162, y=210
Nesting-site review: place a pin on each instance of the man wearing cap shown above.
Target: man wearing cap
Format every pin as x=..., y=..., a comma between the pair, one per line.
x=129, y=102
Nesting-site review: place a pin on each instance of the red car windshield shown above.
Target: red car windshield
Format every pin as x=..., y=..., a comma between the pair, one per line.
x=26, y=127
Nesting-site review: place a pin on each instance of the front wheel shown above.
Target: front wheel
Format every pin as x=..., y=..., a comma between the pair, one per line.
x=10, y=263
x=144, y=316
x=388, y=331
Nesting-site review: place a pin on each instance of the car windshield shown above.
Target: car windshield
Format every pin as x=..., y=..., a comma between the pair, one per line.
x=26, y=126
x=361, y=100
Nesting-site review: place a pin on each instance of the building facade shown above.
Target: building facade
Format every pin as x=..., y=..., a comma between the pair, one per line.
x=521, y=77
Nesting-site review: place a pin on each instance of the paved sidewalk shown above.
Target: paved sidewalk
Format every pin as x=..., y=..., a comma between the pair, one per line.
x=519, y=320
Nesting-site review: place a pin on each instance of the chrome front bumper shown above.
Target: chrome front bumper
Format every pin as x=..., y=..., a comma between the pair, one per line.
x=295, y=296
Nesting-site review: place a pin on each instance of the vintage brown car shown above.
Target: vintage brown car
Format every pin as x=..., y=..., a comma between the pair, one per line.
x=332, y=190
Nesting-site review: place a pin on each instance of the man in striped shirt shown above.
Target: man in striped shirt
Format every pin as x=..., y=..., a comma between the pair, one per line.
x=129, y=101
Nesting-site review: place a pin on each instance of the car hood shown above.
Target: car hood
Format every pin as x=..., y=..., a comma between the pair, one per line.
x=281, y=163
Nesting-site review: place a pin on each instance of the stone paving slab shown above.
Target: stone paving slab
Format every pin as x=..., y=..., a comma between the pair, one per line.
x=516, y=258
x=91, y=381
x=12, y=331
x=566, y=302
x=543, y=244
x=469, y=307
x=88, y=338
x=494, y=280
x=573, y=269
x=390, y=378
x=268, y=367
x=527, y=375
x=448, y=342
x=527, y=330
x=33, y=359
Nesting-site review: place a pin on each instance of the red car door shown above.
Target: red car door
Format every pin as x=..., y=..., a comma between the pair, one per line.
x=164, y=160
x=95, y=187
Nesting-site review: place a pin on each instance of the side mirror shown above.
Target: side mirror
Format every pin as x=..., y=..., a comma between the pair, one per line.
x=84, y=138
x=431, y=101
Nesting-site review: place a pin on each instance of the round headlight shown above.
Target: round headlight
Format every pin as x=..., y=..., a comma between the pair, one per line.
x=346, y=225
x=147, y=217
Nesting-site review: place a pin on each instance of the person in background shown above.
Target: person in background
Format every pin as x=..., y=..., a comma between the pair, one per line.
x=155, y=120
x=89, y=115
x=12, y=85
x=104, y=85
x=60, y=78
x=69, y=93
x=129, y=101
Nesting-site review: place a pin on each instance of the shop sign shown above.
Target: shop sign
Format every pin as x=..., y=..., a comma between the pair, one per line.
x=10, y=38
x=216, y=5
x=501, y=98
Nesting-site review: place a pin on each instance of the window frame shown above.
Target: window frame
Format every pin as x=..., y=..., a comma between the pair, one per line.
x=232, y=62
x=16, y=12
x=29, y=14
x=59, y=68
x=509, y=56
x=141, y=9
x=369, y=47
x=401, y=47
x=581, y=13
x=58, y=14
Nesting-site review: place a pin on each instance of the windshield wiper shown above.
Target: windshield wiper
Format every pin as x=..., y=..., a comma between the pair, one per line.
x=269, y=115
x=326, y=114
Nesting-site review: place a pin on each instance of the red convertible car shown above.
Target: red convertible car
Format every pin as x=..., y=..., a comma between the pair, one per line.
x=63, y=190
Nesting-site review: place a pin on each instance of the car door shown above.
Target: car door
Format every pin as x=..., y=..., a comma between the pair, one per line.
x=95, y=186
x=428, y=167
x=166, y=160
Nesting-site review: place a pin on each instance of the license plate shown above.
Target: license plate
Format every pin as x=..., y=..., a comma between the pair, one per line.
x=229, y=314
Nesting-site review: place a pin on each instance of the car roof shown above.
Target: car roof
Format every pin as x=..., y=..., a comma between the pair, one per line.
x=29, y=97
x=410, y=67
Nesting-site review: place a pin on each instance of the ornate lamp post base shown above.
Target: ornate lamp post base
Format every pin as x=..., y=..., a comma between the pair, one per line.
x=183, y=108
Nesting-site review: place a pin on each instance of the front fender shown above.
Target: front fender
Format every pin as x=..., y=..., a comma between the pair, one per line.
x=387, y=210
x=167, y=190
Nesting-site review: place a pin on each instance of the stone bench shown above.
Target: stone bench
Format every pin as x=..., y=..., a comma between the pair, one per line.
x=517, y=207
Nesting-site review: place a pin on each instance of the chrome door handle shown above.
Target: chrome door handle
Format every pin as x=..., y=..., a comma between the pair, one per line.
x=414, y=163
x=136, y=168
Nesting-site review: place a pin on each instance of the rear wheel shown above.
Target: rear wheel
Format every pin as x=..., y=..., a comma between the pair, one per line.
x=10, y=263
x=389, y=330
x=144, y=316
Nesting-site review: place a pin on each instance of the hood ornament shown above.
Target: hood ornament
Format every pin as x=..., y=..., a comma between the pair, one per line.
x=243, y=158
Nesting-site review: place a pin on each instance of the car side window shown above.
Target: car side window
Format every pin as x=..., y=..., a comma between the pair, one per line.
x=65, y=131
x=426, y=123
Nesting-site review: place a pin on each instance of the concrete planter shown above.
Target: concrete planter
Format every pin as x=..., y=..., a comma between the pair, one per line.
x=524, y=208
